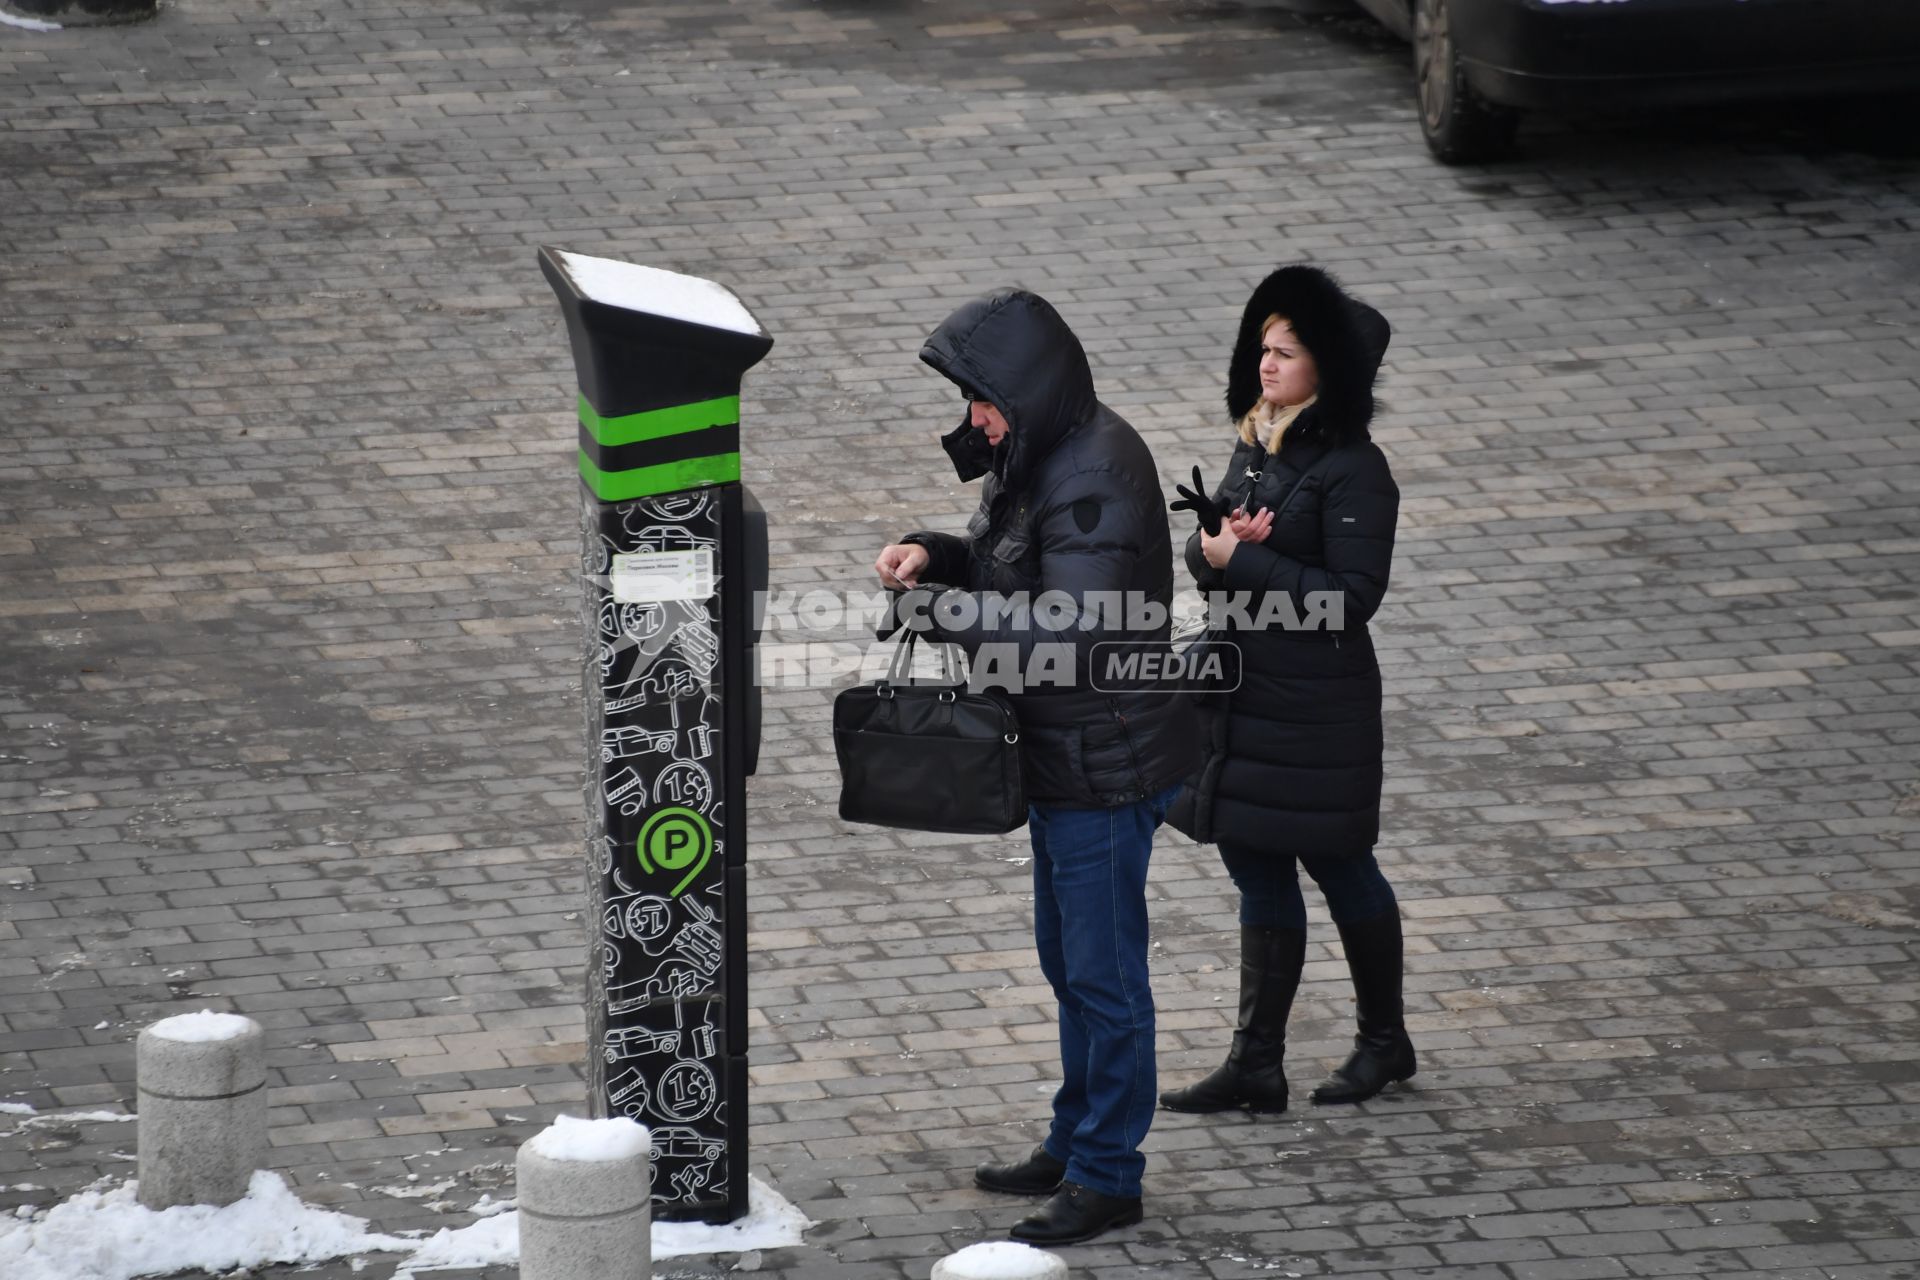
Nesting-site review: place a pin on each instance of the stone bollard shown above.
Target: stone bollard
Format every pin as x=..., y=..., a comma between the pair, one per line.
x=585, y=1190
x=1000, y=1260
x=203, y=1108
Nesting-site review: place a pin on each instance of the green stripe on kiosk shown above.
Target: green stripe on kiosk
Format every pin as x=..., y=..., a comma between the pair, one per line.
x=674, y=554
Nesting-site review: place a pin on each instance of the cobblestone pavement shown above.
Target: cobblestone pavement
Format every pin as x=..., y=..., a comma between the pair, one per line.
x=290, y=649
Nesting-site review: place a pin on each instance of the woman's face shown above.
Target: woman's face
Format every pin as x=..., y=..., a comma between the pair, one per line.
x=1287, y=372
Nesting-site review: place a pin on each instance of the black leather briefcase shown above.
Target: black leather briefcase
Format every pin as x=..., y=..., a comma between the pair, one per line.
x=928, y=757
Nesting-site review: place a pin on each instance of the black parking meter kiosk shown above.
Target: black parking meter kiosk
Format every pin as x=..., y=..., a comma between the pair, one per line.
x=674, y=560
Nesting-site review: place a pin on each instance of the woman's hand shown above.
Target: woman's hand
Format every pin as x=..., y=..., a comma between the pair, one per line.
x=1251, y=528
x=1218, y=547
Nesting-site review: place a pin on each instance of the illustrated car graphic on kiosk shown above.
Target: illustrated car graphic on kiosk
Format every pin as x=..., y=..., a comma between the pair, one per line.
x=1481, y=63
x=616, y=744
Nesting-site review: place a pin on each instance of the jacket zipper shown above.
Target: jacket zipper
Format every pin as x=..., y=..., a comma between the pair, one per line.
x=1255, y=475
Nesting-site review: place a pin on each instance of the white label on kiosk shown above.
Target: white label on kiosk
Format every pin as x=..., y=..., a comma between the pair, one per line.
x=643, y=577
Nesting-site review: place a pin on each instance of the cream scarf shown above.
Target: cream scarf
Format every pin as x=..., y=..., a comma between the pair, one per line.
x=1270, y=420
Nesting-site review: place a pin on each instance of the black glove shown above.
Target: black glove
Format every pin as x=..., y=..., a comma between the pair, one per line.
x=1197, y=501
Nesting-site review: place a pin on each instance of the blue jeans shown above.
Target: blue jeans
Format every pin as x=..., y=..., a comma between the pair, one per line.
x=1270, y=887
x=1090, y=926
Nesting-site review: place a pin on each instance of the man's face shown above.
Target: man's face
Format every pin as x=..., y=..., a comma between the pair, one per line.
x=988, y=420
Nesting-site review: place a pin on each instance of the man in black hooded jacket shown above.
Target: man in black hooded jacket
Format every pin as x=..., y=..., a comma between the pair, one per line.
x=1071, y=522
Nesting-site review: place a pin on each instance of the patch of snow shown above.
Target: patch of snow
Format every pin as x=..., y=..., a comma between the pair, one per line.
x=573, y=1139
x=201, y=1027
x=415, y=1193
x=489, y=1242
x=106, y=1234
x=109, y=1235
x=1002, y=1260
x=486, y=1206
x=771, y=1223
x=632, y=287
x=26, y=24
x=32, y=1119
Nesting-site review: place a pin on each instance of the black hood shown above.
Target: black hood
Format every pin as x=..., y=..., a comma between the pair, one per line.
x=1012, y=348
x=1348, y=340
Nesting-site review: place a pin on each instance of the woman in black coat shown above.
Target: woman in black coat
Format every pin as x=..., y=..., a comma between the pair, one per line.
x=1292, y=769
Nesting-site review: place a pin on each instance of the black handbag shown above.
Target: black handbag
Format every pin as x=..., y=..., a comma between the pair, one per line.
x=1208, y=660
x=928, y=757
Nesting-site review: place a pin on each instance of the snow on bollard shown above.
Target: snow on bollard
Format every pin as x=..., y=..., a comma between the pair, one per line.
x=1000, y=1260
x=585, y=1190
x=203, y=1108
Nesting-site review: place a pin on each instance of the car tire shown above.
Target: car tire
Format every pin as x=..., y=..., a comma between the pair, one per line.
x=1460, y=126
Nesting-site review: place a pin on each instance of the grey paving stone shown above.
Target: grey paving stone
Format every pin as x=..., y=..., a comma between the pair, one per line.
x=286, y=524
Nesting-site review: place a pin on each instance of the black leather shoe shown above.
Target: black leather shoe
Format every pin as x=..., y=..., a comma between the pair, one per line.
x=1038, y=1175
x=1074, y=1214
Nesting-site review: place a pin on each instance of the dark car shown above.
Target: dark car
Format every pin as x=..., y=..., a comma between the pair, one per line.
x=1482, y=62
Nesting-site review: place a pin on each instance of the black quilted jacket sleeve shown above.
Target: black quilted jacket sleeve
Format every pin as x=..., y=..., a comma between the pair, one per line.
x=1205, y=576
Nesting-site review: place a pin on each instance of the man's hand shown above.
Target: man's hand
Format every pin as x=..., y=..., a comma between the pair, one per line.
x=1251, y=528
x=900, y=565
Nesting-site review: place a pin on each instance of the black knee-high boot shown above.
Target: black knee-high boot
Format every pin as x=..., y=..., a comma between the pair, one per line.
x=1253, y=1076
x=1382, y=1052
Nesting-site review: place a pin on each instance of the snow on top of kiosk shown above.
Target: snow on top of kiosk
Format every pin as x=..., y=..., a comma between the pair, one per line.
x=632, y=287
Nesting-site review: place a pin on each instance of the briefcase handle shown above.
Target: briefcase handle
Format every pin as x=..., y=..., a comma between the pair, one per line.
x=953, y=668
x=952, y=660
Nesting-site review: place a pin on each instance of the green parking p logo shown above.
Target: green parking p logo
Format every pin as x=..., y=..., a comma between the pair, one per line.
x=672, y=840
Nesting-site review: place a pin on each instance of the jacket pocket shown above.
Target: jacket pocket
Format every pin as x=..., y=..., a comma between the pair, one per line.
x=1015, y=564
x=1052, y=765
x=1305, y=502
x=1014, y=546
x=1107, y=759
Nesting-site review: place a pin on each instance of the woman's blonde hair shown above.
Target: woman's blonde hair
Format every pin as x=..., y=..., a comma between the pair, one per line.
x=1261, y=413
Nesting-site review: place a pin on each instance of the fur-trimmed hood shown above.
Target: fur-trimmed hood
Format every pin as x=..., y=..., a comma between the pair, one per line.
x=1348, y=340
